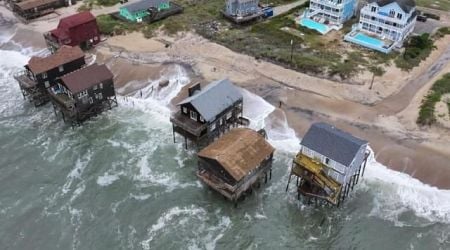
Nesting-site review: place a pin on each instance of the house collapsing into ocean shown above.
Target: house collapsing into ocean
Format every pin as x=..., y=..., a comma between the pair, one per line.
x=326, y=15
x=384, y=24
x=329, y=164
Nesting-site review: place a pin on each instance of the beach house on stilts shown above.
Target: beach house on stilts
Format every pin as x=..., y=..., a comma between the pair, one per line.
x=240, y=11
x=41, y=72
x=209, y=112
x=235, y=162
x=80, y=29
x=326, y=15
x=84, y=93
x=384, y=24
x=329, y=164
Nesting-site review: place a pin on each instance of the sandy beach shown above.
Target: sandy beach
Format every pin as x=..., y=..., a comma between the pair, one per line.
x=385, y=115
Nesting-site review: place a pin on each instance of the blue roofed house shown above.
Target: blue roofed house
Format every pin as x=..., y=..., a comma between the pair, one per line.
x=208, y=113
x=136, y=11
x=384, y=24
x=329, y=162
x=326, y=15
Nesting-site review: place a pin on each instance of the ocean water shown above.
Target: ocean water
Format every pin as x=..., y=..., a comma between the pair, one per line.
x=119, y=182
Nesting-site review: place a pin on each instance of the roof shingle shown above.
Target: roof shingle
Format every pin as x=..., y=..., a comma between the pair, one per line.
x=332, y=142
x=239, y=151
x=86, y=77
x=214, y=99
x=62, y=56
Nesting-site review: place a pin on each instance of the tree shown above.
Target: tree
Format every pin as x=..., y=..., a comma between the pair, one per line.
x=376, y=71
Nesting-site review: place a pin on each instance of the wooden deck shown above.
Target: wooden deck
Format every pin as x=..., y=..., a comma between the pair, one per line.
x=187, y=124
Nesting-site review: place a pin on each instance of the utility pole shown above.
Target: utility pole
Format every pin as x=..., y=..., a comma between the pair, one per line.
x=292, y=49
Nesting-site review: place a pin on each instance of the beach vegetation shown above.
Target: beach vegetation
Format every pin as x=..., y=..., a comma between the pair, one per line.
x=111, y=26
x=426, y=112
x=417, y=49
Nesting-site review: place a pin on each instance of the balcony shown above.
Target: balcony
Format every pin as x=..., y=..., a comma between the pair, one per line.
x=24, y=80
x=184, y=122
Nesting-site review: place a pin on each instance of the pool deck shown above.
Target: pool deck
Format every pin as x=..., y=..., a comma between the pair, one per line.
x=352, y=37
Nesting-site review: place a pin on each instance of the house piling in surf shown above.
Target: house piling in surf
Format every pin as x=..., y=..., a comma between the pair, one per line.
x=235, y=162
x=208, y=113
x=80, y=29
x=41, y=72
x=84, y=93
x=329, y=164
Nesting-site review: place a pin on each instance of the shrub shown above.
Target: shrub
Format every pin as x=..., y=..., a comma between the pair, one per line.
x=426, y=112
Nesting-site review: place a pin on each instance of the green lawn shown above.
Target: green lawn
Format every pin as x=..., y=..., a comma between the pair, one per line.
x=435, y=4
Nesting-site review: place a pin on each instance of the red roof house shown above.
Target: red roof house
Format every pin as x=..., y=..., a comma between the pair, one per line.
x=76, y=30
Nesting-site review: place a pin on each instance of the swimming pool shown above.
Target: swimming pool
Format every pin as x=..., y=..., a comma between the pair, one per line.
x=308, y=23
x=369, y=40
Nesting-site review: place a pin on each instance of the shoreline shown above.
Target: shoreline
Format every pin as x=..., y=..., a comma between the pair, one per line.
x=397, y=141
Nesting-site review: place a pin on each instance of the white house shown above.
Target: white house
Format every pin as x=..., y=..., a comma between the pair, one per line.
x=388, y=21
x=325, y=15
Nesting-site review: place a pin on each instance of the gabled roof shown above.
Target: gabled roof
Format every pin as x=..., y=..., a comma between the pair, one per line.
x=333, y=143
x=30, y=4
x=143, y=5
x=239, y=151
x=214, y=99
x=86, y=77
x=406, y=5
x=76, y=19
x=62, y=56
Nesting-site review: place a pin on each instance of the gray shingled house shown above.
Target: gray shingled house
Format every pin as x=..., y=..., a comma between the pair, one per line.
x=208, y=113
x=242, y=10
x=329, y=163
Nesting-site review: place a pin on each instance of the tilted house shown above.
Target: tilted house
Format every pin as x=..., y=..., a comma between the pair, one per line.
x=326, y=15
x=329, y=163
x=207, y=113
x=137, y=11
x=242, y=10
x=84, y=93
x=236, y=161
x=384, y=24
x=41, y=72
x=30, y=9
x=80, y=29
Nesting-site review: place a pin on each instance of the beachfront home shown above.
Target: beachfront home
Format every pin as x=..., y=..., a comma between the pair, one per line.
x=384, y=24
x=80, y=29
x=208, y=113
x=328, y=164
x=326, y=15
x=84, y=93
x=242, y=10
x=30, y=9
x=41, y=72
x=138, y=10
x=235, y=162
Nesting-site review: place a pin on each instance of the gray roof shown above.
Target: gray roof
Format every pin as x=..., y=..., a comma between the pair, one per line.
x=333, y=143
x=214, y=99
x=406, y=5
x=143, y=5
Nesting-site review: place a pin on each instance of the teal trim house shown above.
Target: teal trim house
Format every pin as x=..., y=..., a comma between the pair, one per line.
x=138, y=10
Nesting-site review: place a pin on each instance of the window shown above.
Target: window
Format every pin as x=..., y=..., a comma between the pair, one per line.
x=201, y=119
x=61, y=68
x=99, y=96
x=327, y=160
x=82, y=94
x=44, y=75
x=213, y=127
x=221, y=121
x=399, y=15
x=91, y=100
x=229, y=115
x=95, y=87
x=101, y=85
x=391, y=13
x=47, y=84
x=194, y=115
x=184, y=110
x=374, y=9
